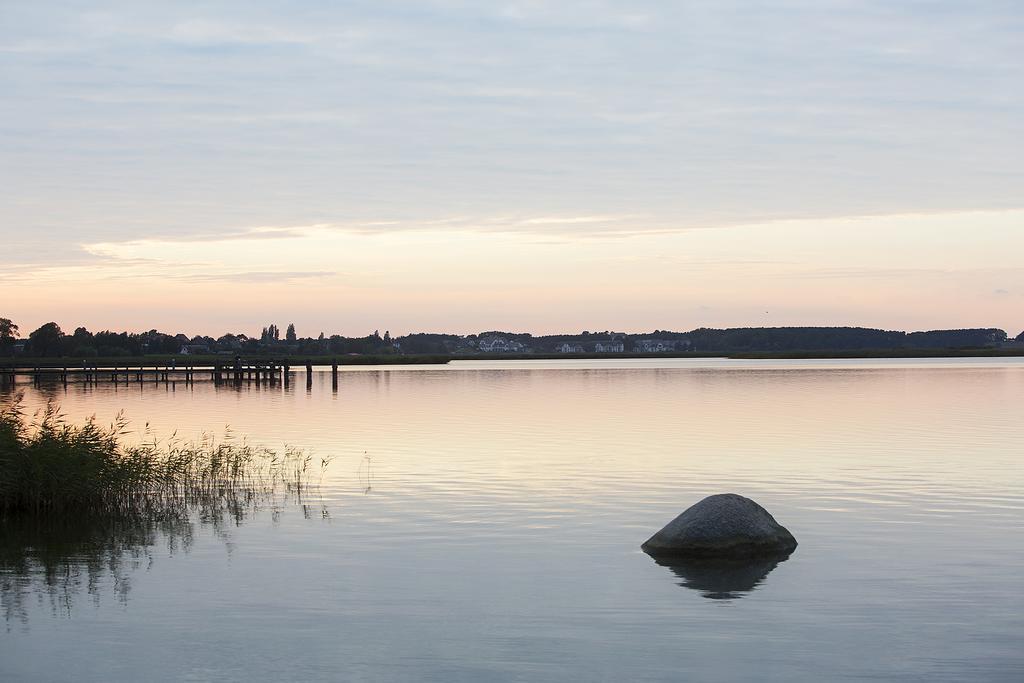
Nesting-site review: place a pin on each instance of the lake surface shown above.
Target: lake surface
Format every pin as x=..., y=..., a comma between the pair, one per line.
x=481, y=521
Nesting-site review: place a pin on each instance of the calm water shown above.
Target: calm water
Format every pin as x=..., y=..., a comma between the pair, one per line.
x=482, y=521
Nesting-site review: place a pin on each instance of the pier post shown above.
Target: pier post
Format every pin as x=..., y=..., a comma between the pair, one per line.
x=309, y=374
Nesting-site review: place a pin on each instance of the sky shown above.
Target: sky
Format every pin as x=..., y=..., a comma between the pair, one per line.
x=536, y=166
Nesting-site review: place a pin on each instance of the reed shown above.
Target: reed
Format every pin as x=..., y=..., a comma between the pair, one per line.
x=51, y=467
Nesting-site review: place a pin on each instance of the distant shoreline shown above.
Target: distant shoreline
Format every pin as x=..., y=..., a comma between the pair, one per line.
x=765, y=355
x=439, y=359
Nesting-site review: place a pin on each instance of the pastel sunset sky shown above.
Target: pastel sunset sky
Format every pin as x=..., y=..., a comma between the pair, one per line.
x=537, y=166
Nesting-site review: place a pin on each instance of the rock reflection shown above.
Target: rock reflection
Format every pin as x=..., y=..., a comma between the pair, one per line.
x=722, y=578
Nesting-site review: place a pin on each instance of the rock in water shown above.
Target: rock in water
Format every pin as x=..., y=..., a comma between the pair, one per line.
x=725, y=525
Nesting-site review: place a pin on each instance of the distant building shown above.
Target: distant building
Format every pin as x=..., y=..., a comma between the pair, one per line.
x=658, y=345
x=569, y=348
x=193, y=349
x=499, y=345
x=609, y=347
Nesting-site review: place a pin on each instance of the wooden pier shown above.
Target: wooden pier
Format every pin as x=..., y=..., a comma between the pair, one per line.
x=237, y=372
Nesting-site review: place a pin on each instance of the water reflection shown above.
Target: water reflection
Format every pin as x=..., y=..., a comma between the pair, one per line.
x=722, y=578
x=499, y=487
x=59, y=560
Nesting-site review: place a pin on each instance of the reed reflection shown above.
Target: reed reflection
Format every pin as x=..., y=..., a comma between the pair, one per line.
x=64, y=558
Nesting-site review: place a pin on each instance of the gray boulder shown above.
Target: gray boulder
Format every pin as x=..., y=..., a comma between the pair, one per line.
x=725, y=525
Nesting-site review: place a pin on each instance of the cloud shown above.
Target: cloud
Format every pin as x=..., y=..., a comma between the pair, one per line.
x=261, y=142
x=906, y=273
x=578, y=15
x=572, y=220
x=117, y=249
x=865, y=272
x=202, y=31
x=255, y=277
x=275, y=117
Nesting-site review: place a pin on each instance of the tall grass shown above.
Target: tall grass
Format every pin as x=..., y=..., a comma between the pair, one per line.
x=51, y=467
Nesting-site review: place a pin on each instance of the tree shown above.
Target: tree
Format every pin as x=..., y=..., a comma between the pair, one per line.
x=289, y=335
x=387, y=338
x=80, y=343
x=45, y=341
x=270, y=334
x=8, y=331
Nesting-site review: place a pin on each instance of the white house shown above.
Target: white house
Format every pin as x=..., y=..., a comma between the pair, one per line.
x=192, y=349
x=609, y=347
x=568, y=348
x=499, y=345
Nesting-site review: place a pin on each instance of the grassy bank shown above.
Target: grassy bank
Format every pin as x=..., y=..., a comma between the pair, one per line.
x=221, y=359
x=767, y=355
x=50, y=467
x=298, y=362
x=888, y=353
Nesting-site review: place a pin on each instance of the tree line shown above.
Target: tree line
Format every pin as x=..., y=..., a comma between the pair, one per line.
x=49, y=340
